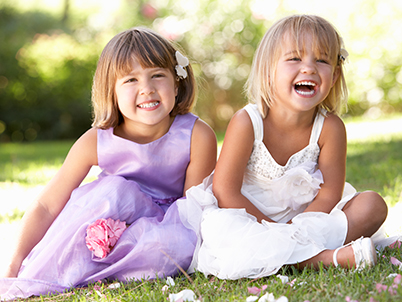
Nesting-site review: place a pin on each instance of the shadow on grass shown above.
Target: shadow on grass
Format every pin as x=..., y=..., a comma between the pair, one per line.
x=376, y=166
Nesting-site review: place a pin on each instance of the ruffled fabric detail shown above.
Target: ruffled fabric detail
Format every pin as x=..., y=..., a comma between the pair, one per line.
x=297, y=186
x=284, y=197
x=232, y=244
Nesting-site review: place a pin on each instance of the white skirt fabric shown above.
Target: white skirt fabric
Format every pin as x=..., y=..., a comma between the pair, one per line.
x=232, y=244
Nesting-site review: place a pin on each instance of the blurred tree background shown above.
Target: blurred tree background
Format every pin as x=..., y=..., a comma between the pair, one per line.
x=49, y=50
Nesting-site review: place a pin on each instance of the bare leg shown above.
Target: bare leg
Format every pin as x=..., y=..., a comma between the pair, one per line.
x=366, y=212
x=345, y=257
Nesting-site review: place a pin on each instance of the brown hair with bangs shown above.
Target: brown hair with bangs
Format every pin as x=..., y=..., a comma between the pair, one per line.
x=260, y=85
x=151, y=50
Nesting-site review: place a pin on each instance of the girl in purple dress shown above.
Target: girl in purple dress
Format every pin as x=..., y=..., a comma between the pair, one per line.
x=150, y=149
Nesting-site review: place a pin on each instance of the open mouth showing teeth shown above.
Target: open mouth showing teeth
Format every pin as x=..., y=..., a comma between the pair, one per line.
x=148, y=105
x=305, y=88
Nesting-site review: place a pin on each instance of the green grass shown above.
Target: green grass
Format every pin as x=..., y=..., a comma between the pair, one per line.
x=325, y=284
x=375, y=163
x=31, y=163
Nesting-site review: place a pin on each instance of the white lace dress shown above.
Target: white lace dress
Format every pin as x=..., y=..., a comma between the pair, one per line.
x=232, y=244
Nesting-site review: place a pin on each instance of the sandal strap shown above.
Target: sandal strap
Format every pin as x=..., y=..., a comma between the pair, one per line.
x=334, y=260
x=335, y=254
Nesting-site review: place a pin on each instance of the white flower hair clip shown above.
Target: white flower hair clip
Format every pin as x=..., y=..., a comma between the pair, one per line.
x=182, y=62
x=343, y=54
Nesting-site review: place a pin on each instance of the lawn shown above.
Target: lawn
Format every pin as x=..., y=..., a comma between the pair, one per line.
x=374, y=162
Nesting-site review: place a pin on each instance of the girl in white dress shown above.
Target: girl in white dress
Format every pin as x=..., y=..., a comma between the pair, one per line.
x=278, y=194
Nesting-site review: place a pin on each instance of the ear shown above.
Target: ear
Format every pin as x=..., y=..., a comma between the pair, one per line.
x=176, y=89
x=335, y=76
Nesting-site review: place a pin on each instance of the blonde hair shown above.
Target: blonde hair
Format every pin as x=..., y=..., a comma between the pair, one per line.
x=260, y=85
x=151, y=50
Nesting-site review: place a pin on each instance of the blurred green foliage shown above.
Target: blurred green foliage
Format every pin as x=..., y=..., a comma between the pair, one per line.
x=45, y=78
x=48, y=56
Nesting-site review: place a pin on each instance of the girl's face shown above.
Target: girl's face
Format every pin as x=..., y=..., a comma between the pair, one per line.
x=146, y=95
x=304, y=77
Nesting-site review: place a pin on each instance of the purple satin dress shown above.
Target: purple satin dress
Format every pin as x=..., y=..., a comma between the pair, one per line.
x=138, y=185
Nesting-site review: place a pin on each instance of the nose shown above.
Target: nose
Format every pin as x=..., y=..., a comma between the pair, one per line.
x=308, y=68
x=147, y=88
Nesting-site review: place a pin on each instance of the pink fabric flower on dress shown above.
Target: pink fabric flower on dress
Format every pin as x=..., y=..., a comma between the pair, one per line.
x=115, y=229
x=103, y=234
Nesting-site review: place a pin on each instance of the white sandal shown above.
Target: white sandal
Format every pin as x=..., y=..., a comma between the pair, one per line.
x=364, y=251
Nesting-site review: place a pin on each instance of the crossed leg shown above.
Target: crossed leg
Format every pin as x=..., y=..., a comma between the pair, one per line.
x=366, y=212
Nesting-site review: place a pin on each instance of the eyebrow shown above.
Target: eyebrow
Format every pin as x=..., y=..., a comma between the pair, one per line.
x=301, y=51
x=292, y=52
x=134, y=72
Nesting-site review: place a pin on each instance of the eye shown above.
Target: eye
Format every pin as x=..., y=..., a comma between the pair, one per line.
x=323, y=58
x=130, y=80
x=294, y=59
x=158, y=75
x=323, y=61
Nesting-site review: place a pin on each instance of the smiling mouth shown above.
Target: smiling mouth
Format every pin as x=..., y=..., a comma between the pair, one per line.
x=305, y=88
x=148, y=105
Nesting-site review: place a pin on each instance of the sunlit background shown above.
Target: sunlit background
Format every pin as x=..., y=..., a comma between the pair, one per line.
x=49, y=50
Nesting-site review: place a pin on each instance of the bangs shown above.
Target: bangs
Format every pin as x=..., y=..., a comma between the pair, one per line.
x=149, y=51
x=325, y=40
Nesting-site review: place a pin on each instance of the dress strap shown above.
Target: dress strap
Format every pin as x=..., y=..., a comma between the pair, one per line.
x=317, y=126
x=256, y=119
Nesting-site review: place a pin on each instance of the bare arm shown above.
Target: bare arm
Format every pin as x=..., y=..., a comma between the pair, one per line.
x=228, y=177
x=332, y=163
x=44, y=210
x=203, y=154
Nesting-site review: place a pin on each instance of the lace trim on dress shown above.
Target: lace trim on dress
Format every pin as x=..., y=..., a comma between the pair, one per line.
x=262, y=163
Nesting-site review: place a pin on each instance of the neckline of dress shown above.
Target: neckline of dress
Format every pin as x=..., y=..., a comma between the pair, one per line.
x=172, y=126
x=314, y=143
x=290, y=158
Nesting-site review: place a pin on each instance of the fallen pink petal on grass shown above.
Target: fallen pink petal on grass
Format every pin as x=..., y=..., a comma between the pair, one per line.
x=349, y=299
x=395, y=261
x=254, y=290
x=391, y=289
x=396, y=245
x=381, y=287
x=398, y=279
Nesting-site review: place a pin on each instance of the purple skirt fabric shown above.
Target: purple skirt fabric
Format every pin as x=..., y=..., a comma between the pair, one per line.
x=62, y=260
